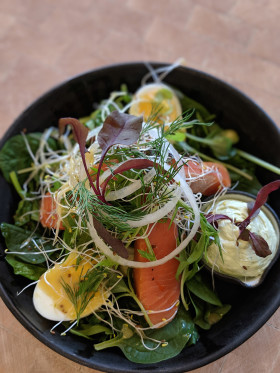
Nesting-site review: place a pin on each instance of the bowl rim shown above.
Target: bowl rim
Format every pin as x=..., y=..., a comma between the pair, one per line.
x=251, y=329
x=155, y=64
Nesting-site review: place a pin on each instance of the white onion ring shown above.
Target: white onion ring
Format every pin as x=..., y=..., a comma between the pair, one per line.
x=159, y=214
x=178, y=160
x=110, y=171
x=131, y=188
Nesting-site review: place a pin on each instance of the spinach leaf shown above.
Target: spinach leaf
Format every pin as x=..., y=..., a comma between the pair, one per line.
x=198, y=250
x=194, y=338
x=215, y=314
x=198, y=286
x=120, y=286
x=73, y=236
x=188, y=103
x=90, y=330
x=249, y=186
x=25, y=243
x=206, y=314
x=199, y=308
x=14, y=155
x=27, y=213
x=30, y=271
x=174, y=337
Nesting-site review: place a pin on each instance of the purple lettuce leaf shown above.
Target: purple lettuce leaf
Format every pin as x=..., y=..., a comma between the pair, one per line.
x=118, y=128
x=259, y=202
x=116, y=244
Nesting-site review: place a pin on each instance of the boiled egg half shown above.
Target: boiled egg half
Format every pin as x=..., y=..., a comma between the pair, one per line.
x=50, y=298
x=157, y=101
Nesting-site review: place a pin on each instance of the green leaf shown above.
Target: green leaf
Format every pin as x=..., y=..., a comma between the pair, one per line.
x=145, y=254
x=55, y=186
x=27, y=212
x=190, y=272
x=198, y=286
x=90, y=330
x=121, y=287
x=183, y=263
x=222, y=147
x=194, y=338
x=198, y=250
x=117, y=283
x=178, y=136
x=199, y=307
x=188, y=103
x=73, y=236
x=107, y=262
x=215, y=314
x=30, y=271
x=249, y=186
x=174, y=337
x=14, y=155
x=25, y=242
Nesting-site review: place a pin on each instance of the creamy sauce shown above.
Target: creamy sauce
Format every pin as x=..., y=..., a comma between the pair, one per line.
x=239, y=258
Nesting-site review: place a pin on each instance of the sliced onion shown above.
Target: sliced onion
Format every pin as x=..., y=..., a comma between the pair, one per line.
x=178, y=160
x=131, y=188
x=109, y=172
x=159, y=214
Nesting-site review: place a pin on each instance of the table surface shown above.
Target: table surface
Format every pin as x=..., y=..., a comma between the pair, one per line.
x=45, y=42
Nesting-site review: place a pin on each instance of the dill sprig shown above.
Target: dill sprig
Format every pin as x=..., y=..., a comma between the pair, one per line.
x=112, y=217
x=180, y=123
x=81, y=293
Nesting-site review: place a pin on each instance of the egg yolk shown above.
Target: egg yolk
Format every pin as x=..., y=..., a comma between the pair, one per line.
x=156, y=102
x=70, y=272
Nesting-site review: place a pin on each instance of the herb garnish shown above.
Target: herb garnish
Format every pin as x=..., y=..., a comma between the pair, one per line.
x=259, y=244
x=81, y=293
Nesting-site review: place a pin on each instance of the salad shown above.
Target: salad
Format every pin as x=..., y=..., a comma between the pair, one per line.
x=111, y=226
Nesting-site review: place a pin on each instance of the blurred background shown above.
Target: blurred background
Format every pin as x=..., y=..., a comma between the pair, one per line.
x=43, y=43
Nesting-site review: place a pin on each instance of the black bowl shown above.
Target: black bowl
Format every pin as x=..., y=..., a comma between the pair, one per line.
x=251, y=308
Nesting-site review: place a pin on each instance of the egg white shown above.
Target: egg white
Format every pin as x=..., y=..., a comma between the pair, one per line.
x=45, y=306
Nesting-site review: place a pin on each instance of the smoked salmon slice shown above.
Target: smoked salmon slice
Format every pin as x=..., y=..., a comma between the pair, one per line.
x=215, y=177
x=157, y=287
x=48, y=216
